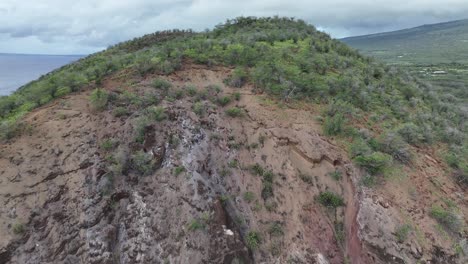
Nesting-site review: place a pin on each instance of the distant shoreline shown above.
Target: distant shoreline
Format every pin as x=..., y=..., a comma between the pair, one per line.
x=49, y=55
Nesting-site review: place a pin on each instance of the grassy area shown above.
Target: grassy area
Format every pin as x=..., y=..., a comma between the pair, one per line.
x=428, y=44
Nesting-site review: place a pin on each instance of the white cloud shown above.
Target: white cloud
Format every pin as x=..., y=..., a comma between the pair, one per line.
x=64, y=26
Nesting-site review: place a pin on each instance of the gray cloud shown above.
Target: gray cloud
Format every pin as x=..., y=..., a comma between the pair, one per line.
x=64, y=26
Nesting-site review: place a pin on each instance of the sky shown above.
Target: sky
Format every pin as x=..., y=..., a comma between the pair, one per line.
x=87, y=26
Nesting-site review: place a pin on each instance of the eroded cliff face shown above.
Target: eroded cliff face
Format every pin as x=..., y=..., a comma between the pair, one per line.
x=200, y=199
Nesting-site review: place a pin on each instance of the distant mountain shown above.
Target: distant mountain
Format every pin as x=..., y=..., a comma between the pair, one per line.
x=428, y=44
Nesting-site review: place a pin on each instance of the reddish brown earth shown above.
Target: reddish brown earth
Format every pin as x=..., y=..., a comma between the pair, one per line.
x=55, y=181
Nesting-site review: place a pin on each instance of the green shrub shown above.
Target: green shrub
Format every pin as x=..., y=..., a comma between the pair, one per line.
x=249, y=196
x=191, y=89
x=199, y=108
x=238, y=78
x=99, y=99
x=236, y=96
x=267, y=190
x=394, y=145
x=161, y=84
x=8, y=129
x=18, y=228
x=62, y=91
x=253, y=240
x=178, y=170
x=234, y=112
x=108, y=144
x=333, y=125
x=276, y=229
x=306, y=178
x=157, y=113
x=410, y=133
x=448, y=218
x=402, y=232
x=195, y=224
x=359, y=147
x=374, y=163
x=120, y=111
x=233, y=164
x=336, y=175
x=142, y=163
x=223, y=101
x=257, y=169
x=141, y=125
x=330, y=199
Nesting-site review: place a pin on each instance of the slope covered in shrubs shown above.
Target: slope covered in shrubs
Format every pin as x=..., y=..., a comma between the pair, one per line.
x=379, y=108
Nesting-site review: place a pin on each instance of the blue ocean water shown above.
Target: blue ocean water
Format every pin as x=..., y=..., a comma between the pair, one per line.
x=17, y=70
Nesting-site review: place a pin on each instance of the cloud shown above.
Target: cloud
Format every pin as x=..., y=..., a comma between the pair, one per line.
x=55, y=26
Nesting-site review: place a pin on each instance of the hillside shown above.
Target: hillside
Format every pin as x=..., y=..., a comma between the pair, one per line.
x=427, y=44
x=260, y=141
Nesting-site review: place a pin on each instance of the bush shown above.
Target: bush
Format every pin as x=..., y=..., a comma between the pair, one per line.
x=448, y=218
x=223, y=101
x=402, y=232
x=120, y=111
x=191, y=89
x=374, y=163
x=257, y=169
x=395, y=146
x=108, y=144
x=267, y=190
x=140, y=128
x=157, y=113
x=161, y=84
x=8, y=129
x=196, y=224
x=198, y=108
x=142, y=163
x=234, y=112
x=410, y=133
x=178, y=170
x=18, y=228
x=276, y=229
x=253, y=240
x=334, y=125
x=99, y=99
x=236, y=96
x=238, y=78
x=249, y=196
x=306, y=178
x=330, y=199
x=336, y=175
x=359, y=147
x=62, y=91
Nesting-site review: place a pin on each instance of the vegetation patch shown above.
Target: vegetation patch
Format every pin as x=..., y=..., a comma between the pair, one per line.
x=18, y=228
x=374, y=163
x=253, y=240
x=235, y=112
x=142, y=163
x=450, y=219
x=402, y=232
x=99, y=99
x=161, y=84
x=330, y=199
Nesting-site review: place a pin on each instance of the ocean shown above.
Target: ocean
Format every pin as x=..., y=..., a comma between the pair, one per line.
x=17, y=70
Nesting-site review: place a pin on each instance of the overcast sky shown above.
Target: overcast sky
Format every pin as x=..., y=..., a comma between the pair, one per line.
x=86, y=26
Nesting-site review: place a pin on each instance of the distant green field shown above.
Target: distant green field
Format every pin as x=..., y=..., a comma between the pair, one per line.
x=424, y=45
